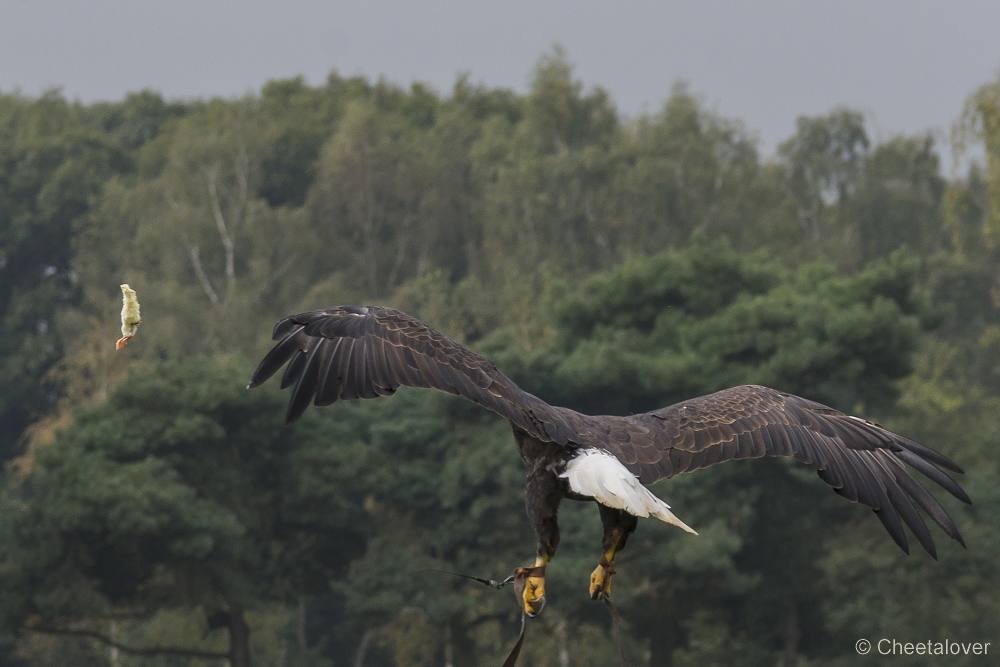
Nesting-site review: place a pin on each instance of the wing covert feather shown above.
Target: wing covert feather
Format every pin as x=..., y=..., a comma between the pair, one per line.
x=862, y=461
x=351, y=352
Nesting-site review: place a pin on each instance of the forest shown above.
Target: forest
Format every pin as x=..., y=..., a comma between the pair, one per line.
x=153, y=511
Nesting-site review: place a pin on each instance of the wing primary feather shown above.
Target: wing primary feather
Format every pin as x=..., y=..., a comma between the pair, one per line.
x=315, y=328
x=945, y=482
x=925, y=452
x=783, y=442
x=866, y=480
x=855, y=434
x=294, y=369
x=362, y=371
x=327, y=391
x=375, y=362
x=758, y=443
x=887, y=515
x=283, y=327
x=338, y=368
x=813, y=444
x=305, y=388
x=909, y=514
x=928, y=503
x=348, y=391
x=276, y=358
x=838, y=473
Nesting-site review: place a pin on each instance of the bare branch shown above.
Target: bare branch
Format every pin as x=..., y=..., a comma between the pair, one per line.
x=199, y=271
x=241, y=165
x=174, y=206
x=115, y=651
x=220, y=224
x=125, y=648
x=282, y=270
x=300, y=625
x=366, y=639
x=397, y=265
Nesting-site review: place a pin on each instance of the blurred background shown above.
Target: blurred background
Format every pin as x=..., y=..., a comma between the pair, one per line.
x=623, y=206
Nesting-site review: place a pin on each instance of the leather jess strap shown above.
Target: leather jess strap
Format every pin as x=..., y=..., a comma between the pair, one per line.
x=521, y=574
x=616, y=620
x=616, y=623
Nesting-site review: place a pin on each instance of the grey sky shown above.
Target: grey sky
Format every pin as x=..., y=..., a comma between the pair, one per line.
x=908, y=65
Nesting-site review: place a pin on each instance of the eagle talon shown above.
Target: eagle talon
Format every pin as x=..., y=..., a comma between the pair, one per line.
x=533, y=596
x=600, y=582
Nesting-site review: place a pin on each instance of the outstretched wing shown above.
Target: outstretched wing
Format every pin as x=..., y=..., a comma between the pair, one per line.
x=350, y=352
x=861, y=460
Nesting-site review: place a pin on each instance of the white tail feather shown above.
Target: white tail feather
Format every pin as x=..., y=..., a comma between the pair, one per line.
x=597, y=474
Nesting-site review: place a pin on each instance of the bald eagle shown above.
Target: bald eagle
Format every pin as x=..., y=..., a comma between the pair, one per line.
x=351, y=352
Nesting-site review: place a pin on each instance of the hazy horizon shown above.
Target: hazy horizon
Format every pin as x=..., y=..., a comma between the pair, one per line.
x=908, y=66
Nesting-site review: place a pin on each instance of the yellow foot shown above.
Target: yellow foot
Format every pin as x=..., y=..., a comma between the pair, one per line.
x=534, y=595
x=600, y=581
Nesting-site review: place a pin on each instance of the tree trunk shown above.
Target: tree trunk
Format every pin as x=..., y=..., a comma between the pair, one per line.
x=239, y=640
x=792, y=636
x=562, y=636
x=449, y=650
x=661, y=647
x=115, y=654
x=362, y=652
x=463, y=649
x=300, y=625
x=664, y=638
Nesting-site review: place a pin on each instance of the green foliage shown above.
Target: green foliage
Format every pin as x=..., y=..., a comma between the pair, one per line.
x=181, y=492
x=577, y=248
x=684, y=171
x=52, y=162
x=898, y=201
x=687, y=322
x=980, y=123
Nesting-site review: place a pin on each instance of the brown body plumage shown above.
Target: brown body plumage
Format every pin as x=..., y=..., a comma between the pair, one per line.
x=350, y=352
